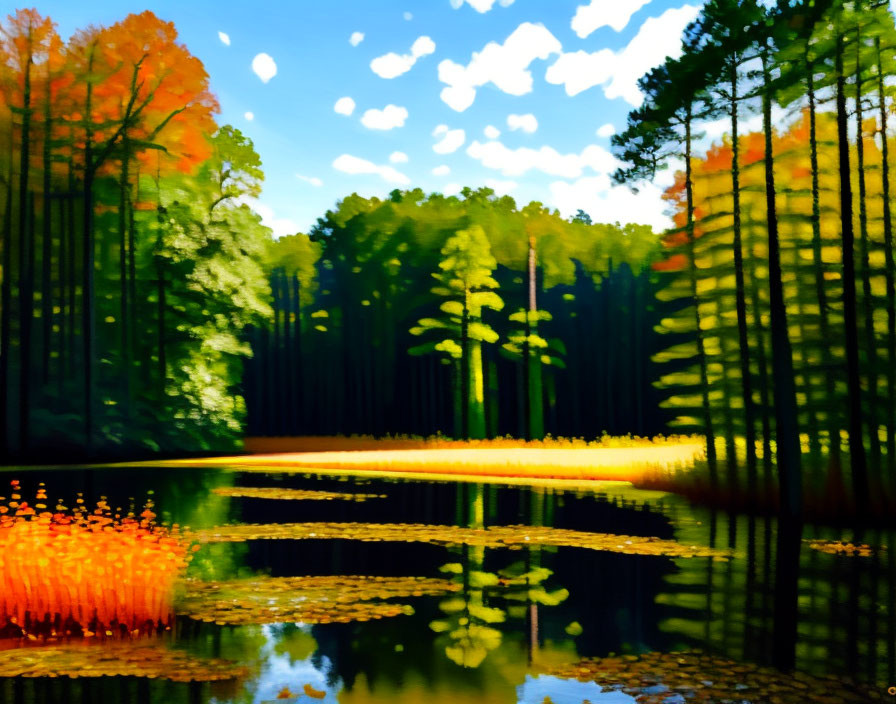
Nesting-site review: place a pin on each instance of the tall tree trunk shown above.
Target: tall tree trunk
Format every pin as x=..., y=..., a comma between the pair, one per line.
x=890, y=271
x=26, y=251
x=46, y=294
x=533, y=381
x=297, y=361
x=6, y=316
x=787, y=436
x=851, y=340
x=465, y=365
x=72, y=271
x=87, y=312
x=711, y=458
x=134, y=316
x=125, y=371
x=867, y=297
x=831, y=416
x=740, y=302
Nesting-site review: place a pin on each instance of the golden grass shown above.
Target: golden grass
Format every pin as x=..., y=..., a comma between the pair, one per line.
x=599, y=462
x=353, y=443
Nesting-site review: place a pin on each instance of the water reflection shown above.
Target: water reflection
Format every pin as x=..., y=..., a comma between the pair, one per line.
x=517, y=614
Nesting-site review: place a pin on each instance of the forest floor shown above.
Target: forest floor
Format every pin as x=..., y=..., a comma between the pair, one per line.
x=610, y=459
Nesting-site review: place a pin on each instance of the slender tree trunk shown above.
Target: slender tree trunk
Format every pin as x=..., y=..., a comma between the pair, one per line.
x=740, y=302
x=72, y=271
x=133, y=302
x=87, y=293
x=534, y=386
x=851, y=340
x=711, y=458
x=831, y=415
x=465, y=364
x=63, y=284
x=6, y=318
x=26, y=251
x=867, y=298
x=46, y=294
x=125, y=371
x=890, y=271
x=784, y=388
x=297, y=361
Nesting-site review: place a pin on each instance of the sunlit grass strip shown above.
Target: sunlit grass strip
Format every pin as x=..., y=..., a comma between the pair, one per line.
x=345, y=443
x=513, y=537
x=73, y=572
x=114, y=660
x=608, y=463
x=292, y=494
x=653, y=678
x=331, y=599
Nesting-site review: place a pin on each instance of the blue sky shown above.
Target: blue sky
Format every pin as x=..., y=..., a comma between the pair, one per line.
x=455, y=73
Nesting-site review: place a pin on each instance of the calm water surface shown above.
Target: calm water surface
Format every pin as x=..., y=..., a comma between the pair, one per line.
x=496, y=643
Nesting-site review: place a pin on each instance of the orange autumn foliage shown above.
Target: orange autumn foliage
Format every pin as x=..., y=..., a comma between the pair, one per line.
x=70, y=572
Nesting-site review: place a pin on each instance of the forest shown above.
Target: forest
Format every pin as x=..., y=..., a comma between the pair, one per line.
x=145, y=308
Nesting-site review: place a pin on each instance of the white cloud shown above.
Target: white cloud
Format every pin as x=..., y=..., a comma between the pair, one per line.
x=408, y=16
x=451, y=189
x=480, y=5
x=313, y=180
x=505, y=65
x=225, y=38
x=618, y=72
x=264, y=67
x=442, y=170
x=527, y=123
x=392, y=65
x=249, y=116
x=355, y=165
x=280, y=226
x=356, y=38
x=493, y=132
x=501, y=188
x=344, y=106
x=606, y=202
x=606, y=130
x=604, y=13
x=451, y=140
x=388, y=118
x=398, y=158
x=517, y=162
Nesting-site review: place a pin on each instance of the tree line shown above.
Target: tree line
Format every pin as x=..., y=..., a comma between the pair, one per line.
x=467, y=316
x=128, y=266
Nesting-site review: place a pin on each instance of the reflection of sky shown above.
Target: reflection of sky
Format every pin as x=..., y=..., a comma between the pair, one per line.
x=278, y=672
x=563, y=691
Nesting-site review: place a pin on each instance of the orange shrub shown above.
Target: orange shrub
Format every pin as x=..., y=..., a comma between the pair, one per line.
x=74, y=572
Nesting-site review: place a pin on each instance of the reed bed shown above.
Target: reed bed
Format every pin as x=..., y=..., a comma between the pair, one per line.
x=77, y=572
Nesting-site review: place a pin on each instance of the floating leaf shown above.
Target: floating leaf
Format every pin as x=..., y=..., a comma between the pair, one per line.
x=654, y=678
x=292, y=494
x=336, y=599
x=115, y=659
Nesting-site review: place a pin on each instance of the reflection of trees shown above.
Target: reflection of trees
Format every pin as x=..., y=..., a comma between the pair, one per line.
x=843, y=608
x=469, y=616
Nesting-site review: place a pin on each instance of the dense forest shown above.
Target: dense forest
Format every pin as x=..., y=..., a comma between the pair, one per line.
x=129, y=266
x=464, y=316
x=142, y=300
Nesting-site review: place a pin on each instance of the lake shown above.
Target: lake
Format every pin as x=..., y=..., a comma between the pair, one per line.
x=445, y=608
